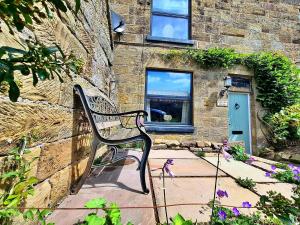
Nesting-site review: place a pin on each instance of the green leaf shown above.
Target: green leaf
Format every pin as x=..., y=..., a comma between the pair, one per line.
x=32, y=180
x=28, y=215
x=14, y=91
x=60, y=5
x=95, y=203
x=12, y=50
x=77, y=7
x=114, y=214
x=93, y=219
x=178, y=220
x=43, y=74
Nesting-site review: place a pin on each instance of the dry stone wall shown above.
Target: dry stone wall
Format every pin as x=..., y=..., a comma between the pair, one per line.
x=47, y=114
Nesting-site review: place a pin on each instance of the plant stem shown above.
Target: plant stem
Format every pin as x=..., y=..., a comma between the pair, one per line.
x=165, y=199
x=214, y=199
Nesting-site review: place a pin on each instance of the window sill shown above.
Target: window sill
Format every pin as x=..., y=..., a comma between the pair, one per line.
x=169, y=128
x=169, y=40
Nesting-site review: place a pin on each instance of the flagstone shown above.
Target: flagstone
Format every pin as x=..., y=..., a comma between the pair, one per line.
x=185, y=167
x=198, y=190
x=284, y=188
x=238, y=169
x=172, y=154
x=264, y=166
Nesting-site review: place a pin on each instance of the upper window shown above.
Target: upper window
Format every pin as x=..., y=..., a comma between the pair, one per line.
x=171, y=19
x=168, y=97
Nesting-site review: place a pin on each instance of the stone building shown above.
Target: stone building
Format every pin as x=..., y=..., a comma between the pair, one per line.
x=184, y=100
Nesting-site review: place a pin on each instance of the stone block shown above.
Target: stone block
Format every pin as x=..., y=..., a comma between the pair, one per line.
x=192, y=149
x=78, y=169
x=188, y=144
x=41, y=197
x=207, y=149
x=172, y=143
x=200, y=144
x=58, y=155
x=159, y=146
x=295, y=158
x=207, y=144
x=60, y=185
x=159, y=141
x=34, y=157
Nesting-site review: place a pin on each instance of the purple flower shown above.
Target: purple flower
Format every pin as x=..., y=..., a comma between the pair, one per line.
x=291, y=166
x=225, y=145
x=273, y=167
x=246, y=204
x=297, y=178
x=167, y=169
x=236, y=212
x=222, y=194
x=250, y=160
x=222, y=215
x=296, y=172
x=226, y=155
x=268, y=174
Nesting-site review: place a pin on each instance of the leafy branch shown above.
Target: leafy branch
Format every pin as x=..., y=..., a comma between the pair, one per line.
x=19, y=13
x=39, y=60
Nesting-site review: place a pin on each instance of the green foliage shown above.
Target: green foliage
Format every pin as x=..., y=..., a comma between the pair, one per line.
x=276, y=205
x=112, y=213
x=179, y=220
x=40, y=61
x=282, y=166
x=286, y=176
x=21, y=13
x=37, y=215
x=238, y=153
x=200, y=154
x=18, y=186
x=286, y=123
x=277, y=81
x=246, y=183
x=231, y=219
x=36, y=59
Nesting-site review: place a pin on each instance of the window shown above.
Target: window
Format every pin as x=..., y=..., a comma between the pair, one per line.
x=170, y=19
x=168, y=98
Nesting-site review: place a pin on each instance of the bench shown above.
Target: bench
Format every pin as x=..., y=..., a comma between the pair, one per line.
x=108, y=128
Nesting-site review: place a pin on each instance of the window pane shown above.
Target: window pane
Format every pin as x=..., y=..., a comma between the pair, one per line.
x=171, y=6
x=169, y=83
x=168, y=111
x=170, y=27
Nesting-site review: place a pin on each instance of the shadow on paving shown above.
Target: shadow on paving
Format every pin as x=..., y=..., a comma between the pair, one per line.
x=118, y=183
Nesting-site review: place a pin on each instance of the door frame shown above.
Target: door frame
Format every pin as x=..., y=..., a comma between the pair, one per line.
x=249, y=115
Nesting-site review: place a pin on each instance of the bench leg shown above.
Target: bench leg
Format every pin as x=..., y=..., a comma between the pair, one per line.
x=88, y=168
x=147, y=148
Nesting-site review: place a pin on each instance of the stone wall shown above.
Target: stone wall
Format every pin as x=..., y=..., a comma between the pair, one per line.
x=47, y=114
x=246, y=26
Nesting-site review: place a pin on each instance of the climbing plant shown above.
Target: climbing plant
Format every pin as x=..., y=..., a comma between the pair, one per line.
x=36, y=59
x=277, y=78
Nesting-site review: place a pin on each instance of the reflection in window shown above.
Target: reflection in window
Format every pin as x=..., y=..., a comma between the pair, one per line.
x=170, y=19
x=168, y=97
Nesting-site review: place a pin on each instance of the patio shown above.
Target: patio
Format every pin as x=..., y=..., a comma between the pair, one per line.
x=187, y=193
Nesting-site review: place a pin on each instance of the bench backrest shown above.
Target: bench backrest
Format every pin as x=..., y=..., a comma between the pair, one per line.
x=93, y=100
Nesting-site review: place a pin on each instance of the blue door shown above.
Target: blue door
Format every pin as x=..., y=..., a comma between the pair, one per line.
x=239, y=118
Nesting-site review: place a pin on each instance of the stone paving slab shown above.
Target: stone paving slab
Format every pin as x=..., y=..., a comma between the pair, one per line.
x=268, y=161
x=198, y=190
x=172, y=154
x=238, y=169
x=284, y=188
x=264, y=166
x=120, y=184
x=185, y=167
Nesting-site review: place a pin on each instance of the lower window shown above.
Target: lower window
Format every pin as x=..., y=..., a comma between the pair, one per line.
x=168, y=98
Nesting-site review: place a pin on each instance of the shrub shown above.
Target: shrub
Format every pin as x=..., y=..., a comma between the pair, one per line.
x=286, y=123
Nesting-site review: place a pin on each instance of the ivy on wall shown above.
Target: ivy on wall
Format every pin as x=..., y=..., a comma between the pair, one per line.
x=277, y=78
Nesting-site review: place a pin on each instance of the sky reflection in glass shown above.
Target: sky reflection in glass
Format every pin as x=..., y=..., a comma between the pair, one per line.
x=169, y=83
x=171, y=6
x=169, y=27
